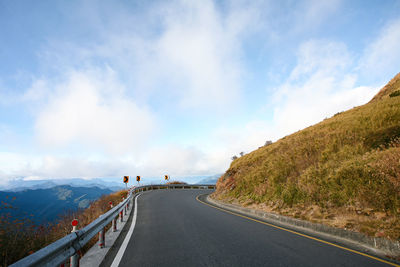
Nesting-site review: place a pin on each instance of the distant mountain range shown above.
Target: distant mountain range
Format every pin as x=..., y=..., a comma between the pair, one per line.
x=113, y=184
x=21, y=184
x=210, y=179
x=46, y=204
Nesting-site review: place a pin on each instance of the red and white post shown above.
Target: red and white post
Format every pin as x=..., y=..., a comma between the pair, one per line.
x=114, y=221
x=121, y=214
x=74, y=260
x=102, y=238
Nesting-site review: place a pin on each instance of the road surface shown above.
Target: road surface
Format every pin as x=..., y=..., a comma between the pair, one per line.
x=174, y=229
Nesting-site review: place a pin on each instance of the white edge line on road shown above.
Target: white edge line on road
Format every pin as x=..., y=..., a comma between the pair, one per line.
x=122, y=249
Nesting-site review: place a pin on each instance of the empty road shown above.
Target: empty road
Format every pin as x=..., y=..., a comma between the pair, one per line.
x=174, y=229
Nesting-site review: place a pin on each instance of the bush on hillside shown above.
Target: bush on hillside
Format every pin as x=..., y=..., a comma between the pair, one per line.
x=395, y=93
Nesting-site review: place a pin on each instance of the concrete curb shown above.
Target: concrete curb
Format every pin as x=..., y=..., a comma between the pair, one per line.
x=95, y=255
x=377, y=246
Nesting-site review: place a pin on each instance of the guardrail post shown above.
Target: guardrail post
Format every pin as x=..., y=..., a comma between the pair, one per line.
x=74, y=260
x=121, y=214
x=102, y=239
x=114, y=221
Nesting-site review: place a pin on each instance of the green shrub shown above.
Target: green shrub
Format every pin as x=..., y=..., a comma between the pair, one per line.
x=395, y=93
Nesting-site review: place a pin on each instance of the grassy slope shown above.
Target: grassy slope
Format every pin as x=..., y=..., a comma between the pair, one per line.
x=343, y=171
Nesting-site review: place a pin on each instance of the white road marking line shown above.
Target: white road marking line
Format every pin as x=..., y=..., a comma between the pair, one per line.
x=122, y=249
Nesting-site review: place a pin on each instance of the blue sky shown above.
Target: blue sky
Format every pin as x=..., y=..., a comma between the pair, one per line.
x=105, y=89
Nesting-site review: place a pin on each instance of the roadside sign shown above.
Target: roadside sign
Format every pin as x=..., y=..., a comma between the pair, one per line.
x=126, y=179
x=166, y=177
x=138, y=178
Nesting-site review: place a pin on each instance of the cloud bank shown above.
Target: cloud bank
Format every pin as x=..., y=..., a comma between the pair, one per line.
x=112, y=102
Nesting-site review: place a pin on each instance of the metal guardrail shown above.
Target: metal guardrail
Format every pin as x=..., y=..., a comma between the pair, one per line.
x=61, y=250
x=172, y=186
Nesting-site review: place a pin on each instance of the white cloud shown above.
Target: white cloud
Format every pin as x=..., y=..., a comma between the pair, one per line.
x=34, y=167
x=320, y=85
x=318, y=57
x=382, y=55
x=242, y=138
x=190, y=55
x=175, y=159
x=196, y=57
x=196, y=52
x=10, y=162
x=92, y=110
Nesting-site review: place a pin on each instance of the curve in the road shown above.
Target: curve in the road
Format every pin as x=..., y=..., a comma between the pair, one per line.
x=173, y=229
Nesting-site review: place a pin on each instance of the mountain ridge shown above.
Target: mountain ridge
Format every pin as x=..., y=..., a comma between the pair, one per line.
x=20, y=184
x=46, y=204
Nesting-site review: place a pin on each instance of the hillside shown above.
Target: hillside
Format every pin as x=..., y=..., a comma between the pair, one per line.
x=343, y=171
x=46, y=204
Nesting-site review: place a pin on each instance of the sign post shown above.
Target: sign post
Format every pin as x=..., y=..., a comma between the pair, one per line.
x=138, y=179
x=126, y=180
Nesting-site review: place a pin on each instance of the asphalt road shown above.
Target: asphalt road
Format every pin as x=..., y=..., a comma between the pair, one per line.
x=174, y=229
